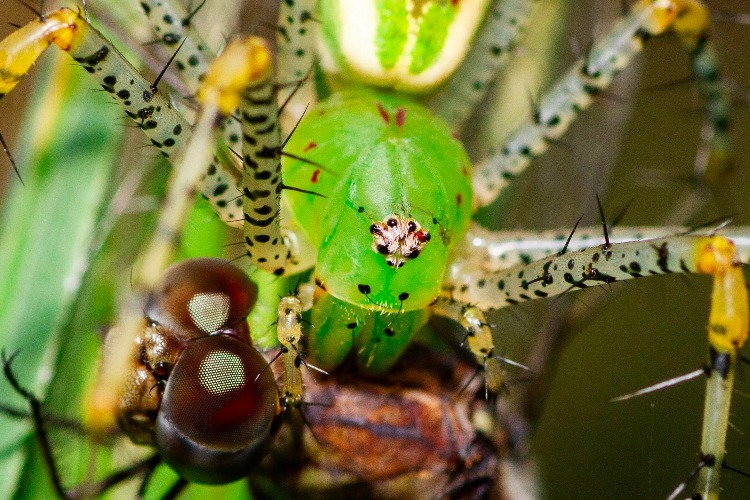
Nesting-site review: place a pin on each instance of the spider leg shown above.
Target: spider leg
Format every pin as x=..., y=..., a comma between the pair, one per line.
x=557, y=274
x=289, y=330
x=506, y=23
x=295, y=38
x=148, y=107
x=591, y=75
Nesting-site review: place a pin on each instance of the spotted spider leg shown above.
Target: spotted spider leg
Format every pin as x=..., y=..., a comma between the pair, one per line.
x=494, y=269
x=592, y=266
x=506, y=23
x=143, y=103
x=496, y=250
x=692, y=28
x=244, y=63
x=173, y=25
x=258, y=126
x=289, y=331
x=295, y=57
x=261, y=154
x=589, y=77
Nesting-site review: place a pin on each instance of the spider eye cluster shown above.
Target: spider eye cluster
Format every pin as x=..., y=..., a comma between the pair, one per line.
x=398, y=239
x=199, y=391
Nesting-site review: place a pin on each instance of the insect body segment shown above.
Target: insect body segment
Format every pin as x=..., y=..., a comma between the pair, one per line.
x=692, y=25
x=295, y=40
x=172, y=24
x=20, y=50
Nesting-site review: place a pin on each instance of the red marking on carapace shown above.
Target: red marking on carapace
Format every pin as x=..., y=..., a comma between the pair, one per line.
x=455, y=2
x=321, y=112
x=456, y=135
x=459, y=199
x=400, y=117
x=315, y=176
x=310, y=145
x=464, y=171
x=384, y=114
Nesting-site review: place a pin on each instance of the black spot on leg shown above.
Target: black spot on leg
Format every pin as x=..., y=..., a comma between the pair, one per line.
x=171, y=38
x=363, y=289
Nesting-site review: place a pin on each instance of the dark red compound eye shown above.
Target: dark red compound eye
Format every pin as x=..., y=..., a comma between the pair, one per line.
x=203, y=296
x=216, y=419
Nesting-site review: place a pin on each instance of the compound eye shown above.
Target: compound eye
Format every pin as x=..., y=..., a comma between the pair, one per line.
x=216, y=419
x=201, y=296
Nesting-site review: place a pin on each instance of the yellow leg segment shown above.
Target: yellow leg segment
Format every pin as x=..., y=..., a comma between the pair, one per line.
x=727, y=333
x=20, y=50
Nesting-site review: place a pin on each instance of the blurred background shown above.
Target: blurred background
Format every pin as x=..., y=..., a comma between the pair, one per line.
x=636, y=146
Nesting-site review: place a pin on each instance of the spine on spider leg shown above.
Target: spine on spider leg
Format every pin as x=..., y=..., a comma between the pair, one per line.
x=289, y=329
x=295, y=40
x=149, y=108
x=692, y=26
x=727, y=333
x=261, y=154
x=243, y=62
x=505, y=24
x=559, y=274
x=574, y=92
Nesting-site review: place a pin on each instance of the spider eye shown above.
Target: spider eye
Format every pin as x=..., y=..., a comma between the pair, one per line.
x=216, y=419
x=412, y=226
x=392, y=222
x=202, y=296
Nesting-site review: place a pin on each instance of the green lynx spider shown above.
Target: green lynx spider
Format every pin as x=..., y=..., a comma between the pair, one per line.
x=471, y=264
